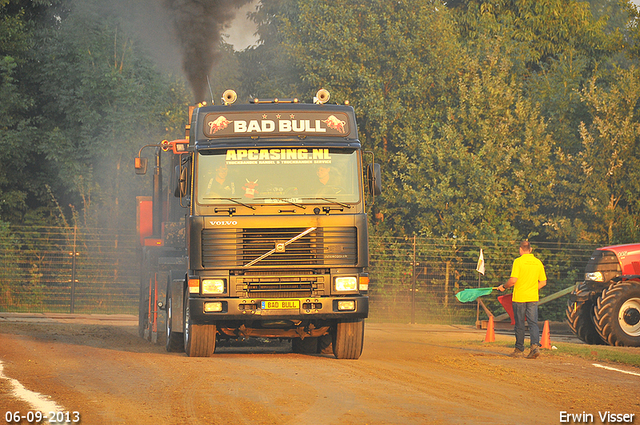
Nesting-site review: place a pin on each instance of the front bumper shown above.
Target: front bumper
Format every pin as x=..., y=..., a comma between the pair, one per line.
x=233, y=309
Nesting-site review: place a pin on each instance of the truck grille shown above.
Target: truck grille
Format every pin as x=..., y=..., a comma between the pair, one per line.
x=235, y=248
x=280, y=283
x=278, y=290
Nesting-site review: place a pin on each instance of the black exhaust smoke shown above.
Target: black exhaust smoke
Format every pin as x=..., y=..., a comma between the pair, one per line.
x=199, y=25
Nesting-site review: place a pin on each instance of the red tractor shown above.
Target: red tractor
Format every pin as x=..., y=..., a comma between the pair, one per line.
x=605, y=308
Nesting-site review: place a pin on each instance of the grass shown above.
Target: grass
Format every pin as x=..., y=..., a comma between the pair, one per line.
x=623, y=355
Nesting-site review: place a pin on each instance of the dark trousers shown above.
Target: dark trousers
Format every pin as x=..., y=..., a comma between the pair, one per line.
x=530, y=312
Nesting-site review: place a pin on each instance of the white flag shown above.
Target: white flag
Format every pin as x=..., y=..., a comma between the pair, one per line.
x=480, y=266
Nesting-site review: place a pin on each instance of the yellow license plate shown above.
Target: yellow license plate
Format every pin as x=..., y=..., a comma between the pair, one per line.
x=280, y=304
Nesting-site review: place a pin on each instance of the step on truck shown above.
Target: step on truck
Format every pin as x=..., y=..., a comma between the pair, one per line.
x=262, y=229
x=605, y=307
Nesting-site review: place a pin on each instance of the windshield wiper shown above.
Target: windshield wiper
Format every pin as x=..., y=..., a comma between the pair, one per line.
x=285, y=200
x=236, y=201
x=333, y=201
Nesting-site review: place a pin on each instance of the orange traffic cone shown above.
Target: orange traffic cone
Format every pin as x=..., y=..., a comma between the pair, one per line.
x=491, y=334
x=545, y=342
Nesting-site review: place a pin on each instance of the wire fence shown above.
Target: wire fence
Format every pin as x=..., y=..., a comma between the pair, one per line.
x=412, y=280
x=72, y=270
x=416, y=279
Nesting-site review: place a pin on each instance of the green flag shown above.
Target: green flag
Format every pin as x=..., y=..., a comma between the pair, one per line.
x=471, y=294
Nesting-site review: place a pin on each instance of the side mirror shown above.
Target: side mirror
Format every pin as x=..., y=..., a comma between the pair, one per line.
x=140, y=164
x=374, y=176
x=183, y=181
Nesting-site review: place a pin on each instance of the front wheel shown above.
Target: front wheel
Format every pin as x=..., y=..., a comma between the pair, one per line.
x=199, y=339
x=348, y=339
x=580, y=318
x=617, y=314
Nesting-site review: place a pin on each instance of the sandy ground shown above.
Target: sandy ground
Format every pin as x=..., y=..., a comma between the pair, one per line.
x=408, y=374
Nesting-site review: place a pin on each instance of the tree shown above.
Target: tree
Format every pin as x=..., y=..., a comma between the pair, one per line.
x=268, y=70
x=489, y=165
x=541, y=30
x=397, y=64
x=463, y=147
x=22, y=174
x=610, y=159
x=100, y=100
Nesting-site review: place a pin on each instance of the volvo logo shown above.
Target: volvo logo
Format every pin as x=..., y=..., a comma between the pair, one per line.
x=223, y=223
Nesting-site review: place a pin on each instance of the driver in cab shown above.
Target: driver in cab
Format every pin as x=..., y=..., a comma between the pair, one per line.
x=328, y=181
x=219, y=185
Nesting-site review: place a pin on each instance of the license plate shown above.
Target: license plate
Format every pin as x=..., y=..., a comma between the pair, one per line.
x=280, y=304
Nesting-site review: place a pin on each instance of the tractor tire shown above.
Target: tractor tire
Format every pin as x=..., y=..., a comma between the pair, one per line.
x=348, y=339
x=617, y=314
x=199, y=339
x=580, y=318
x=308, y=345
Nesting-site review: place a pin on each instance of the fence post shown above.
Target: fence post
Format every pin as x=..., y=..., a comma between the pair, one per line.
x=446, y=282
x=73, y=269
x=413, y=284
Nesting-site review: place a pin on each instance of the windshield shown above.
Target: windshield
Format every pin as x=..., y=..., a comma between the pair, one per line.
x=277, y=176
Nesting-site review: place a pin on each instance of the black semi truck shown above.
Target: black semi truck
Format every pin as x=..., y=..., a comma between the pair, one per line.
x=262, y=229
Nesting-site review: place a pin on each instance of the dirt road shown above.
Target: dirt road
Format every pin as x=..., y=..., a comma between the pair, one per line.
x=408, y=374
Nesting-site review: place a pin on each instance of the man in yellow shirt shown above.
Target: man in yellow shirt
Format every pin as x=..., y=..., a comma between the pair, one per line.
x=527, y=277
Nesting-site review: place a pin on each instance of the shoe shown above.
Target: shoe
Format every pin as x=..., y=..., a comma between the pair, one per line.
x=534, y=353
x=517, y=353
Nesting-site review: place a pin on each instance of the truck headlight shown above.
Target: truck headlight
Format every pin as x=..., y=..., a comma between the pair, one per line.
x=213, y=307
x=346, y=305
x=346, y=283
x=594, y=276
x=213, y=286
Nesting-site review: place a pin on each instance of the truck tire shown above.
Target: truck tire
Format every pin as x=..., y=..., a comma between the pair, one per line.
x=348, y=339
x=199, y=339
x=143, y=305
x=309, y=345
x=617, y=314
x=175, y=340
x=143, y=315
x=580, y=318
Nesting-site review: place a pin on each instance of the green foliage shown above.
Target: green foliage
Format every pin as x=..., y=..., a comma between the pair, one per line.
x=20, y=172
x=37, y=268
x=610, y=161
x=540, y=30
x=101, y=100
x=268, y=70
x=494, y=120
x=476, y=111
x=21, y=276
x=483, y=113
